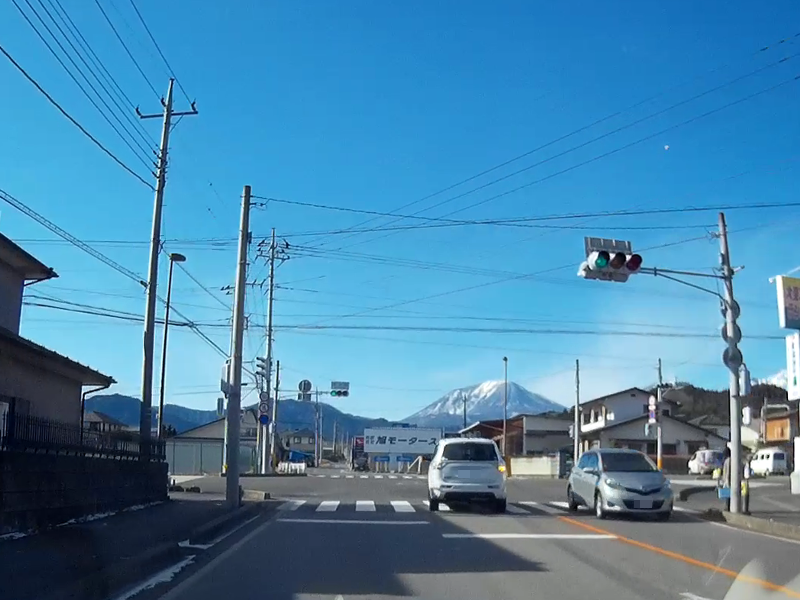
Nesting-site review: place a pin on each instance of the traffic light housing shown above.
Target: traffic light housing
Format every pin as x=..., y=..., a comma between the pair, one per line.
x=261, y=366
x=340, y=393
x=609, y=260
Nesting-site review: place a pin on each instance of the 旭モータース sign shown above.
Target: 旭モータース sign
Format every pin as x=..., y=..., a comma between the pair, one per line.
x=401, y=440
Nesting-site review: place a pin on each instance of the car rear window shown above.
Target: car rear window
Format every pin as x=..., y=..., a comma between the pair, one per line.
x=466, y=451
x=627, y=462
x=779, y=456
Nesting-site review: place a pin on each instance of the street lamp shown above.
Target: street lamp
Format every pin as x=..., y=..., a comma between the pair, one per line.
x=173, y=258
x=505, y=405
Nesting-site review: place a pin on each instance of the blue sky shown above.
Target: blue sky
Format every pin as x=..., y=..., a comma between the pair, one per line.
x=373, y=105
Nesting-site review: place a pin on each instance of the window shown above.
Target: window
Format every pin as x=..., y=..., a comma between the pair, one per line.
x=297, y=440
x=470, y=452
x=591, y=461
x=627, y=462
x=311, y=440
x=584, y=461
x=779, y=456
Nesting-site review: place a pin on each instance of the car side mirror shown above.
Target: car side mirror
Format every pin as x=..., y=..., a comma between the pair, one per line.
x=591, y=471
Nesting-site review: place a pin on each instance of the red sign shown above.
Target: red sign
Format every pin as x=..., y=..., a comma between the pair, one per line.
x=358, y=443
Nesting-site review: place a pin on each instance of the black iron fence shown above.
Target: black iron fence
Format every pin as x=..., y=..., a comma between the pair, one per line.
x=26, y=433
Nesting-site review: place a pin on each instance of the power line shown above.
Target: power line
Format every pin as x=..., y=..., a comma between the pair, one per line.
x=574, y=132
x=85, y=78
x=204, y=288
x=72, y=119
x=160, y=53
x=125, y=46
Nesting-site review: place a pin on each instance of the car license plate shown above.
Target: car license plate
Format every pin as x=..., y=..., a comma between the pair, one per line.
x=644, y=504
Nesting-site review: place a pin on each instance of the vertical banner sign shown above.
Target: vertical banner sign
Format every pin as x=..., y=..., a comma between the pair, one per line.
x=788, y=302
x=793, y=366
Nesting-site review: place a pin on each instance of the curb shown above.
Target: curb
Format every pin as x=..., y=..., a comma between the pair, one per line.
x=115, y=577
x=685, y=493
x=751, y=523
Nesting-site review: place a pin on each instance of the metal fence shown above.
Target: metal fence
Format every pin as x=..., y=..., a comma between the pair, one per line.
x=26, y=433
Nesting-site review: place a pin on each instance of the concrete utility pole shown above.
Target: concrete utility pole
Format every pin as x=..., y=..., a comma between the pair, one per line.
x=317, y=434
x=659, y=414
x=576, y=418
x=335, y=423
x=275, y=400
x=145, y=415
x=272, y=428
x=233, y=420
x=505, y=406
x=733, y=360
x=464, y=398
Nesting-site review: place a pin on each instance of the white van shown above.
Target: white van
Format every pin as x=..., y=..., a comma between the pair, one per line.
x=769, y=461
x=703, y=462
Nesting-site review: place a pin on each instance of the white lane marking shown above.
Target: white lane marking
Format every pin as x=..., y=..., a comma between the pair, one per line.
x=530, y=536
x=328, y=506
x=559, y=504
x=442, y=507
x=690, y=596
x=163, y=576
x=335, y=476
x=364, y=476
x=516, y=510
x=349, y=476
x=218, y=539
x=378, y=476
x=392, y=476
x=291, y=505
x=407, y=477
x=402, y=506
x=320, y=475
x=353, y=522
x=365, y=506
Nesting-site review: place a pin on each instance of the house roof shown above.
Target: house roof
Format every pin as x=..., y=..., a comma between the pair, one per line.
x=67, y=366
x=631, y=389
x=643, y=417
x=709, y=420
x=300, y=432
x=30, y=268
x=96, y=416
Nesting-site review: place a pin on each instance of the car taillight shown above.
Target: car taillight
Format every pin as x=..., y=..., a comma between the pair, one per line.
x=501, y=468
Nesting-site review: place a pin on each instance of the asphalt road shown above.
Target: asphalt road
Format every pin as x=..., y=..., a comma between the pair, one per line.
x=367, y=538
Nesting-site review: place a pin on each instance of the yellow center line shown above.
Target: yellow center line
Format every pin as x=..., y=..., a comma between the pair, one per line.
x=686, y=559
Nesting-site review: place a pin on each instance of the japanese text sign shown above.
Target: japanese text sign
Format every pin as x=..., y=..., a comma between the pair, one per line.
x=401, y=440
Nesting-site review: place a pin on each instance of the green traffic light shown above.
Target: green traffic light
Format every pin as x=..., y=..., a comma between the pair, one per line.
x=601, y=259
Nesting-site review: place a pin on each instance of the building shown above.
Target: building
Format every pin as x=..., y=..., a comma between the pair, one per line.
x=34, y=380
x=528, y=435
x=200, y=450
x=619, y=420
x=102, y=423
x=301, y=440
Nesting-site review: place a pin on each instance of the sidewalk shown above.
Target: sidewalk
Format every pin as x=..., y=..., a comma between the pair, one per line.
x=39, y=565
x=771, y=502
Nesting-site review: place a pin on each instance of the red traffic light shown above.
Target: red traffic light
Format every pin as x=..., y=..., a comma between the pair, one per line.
x=618, y=261
x=634, y=263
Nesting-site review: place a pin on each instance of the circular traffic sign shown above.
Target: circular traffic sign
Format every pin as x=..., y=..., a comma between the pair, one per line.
x=263, y=419
x=732, y=359
x=263, y=408
x=723, y=304
x=737, y=333
x=652, y=401
x=304, y=386
x=263, y=396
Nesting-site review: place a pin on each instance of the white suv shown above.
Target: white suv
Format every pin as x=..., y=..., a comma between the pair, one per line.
x=467, y=470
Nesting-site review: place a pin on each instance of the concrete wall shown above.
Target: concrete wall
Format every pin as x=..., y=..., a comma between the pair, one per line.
x=38, y=490
x=48, y=394
x=539, y=466
x=10, y=298
x=204, y=457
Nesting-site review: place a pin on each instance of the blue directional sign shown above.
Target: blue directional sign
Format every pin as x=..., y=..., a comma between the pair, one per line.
x=263, y=419
x=381, y=459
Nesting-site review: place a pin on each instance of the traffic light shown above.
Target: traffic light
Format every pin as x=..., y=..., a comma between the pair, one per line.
x=609, y=260
x=261, y=366
x=340, y=393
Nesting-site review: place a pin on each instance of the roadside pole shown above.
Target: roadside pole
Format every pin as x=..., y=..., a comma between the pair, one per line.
x=576, y=422
x=733, y=360
x=317, y=444
x=659, y=439
x=233, y=418
x=268, y=449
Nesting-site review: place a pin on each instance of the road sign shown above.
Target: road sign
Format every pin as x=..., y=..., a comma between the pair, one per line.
x=381, y=459
x=732, y=359
x=793, y=366
x=263, y=396
x=303, y=397
x=304, y=386
x=737, y=311
x=340, y=386
x=263, y=408
x=263, y=419
x=652, y=410
x=788, y=302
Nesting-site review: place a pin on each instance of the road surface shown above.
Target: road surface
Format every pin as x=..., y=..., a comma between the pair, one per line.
x=375, y=538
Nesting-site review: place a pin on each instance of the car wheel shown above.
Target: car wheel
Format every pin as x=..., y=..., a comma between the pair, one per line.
x=572, y=504
x=664, y=516
x=598, y=506
x=500, y=506
x=433, y=505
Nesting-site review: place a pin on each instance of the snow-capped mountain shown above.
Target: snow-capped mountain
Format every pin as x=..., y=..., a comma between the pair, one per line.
x=780, y=379
x=484, y=401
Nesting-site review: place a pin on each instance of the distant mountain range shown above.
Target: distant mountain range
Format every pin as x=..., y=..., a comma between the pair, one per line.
x=292, y=415
x=484, y=402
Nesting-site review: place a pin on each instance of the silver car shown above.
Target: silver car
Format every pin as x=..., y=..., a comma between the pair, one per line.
x=619, y=481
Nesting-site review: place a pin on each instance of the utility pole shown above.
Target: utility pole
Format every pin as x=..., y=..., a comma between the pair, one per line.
x=145, y=414
x=733, y=360
x=272, y=428
x=505, y=406
x=232, y=422
x=275, y=400
x=576, y=419
x=317, y=443
x=659, y=413
x=464, y=398
x=335, y=423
